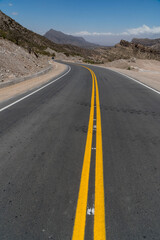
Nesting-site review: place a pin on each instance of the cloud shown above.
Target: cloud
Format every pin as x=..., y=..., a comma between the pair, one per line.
x=86, y=33
x=10, y=4
x=14, y=13
x=144, y=29
x=132, y=31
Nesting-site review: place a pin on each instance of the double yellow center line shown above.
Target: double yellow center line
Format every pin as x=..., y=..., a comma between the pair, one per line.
x=99, y=213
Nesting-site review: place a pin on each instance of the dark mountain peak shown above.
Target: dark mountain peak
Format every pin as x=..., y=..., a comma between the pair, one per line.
x=62, y=38
x=33, y=42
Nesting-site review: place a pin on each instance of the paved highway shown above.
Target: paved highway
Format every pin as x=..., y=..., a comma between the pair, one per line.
x=80, y=159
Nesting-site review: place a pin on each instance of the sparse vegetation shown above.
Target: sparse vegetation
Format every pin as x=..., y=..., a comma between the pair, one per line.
x=34, y=42
x=2, y=34
x=16, y=61
x=37, y=44
x=91, y=61
x=67, y=54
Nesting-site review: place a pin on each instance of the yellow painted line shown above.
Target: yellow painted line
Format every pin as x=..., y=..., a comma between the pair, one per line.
x=99, y=217
x=80, y=217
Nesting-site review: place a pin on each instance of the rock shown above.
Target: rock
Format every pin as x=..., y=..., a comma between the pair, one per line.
x=125, y=43
x=133, y=60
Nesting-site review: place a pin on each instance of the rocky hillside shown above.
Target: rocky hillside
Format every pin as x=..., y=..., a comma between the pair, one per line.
x=61, y=38
x=33, y=42
x=127, y=50
x=40, y=45
x=15, y=61
x=153, y=43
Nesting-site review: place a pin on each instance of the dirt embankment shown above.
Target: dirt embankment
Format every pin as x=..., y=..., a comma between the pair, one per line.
x=25, y=86
x=16, y=62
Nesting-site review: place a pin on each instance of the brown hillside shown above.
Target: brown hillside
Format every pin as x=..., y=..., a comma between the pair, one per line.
x=31, y=41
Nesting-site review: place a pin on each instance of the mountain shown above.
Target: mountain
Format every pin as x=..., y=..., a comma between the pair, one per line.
x=37, y=44
x=62, y=38
x=33, y=42
x=153, y=43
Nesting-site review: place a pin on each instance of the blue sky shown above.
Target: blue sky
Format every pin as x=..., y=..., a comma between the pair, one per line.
x=103, y=21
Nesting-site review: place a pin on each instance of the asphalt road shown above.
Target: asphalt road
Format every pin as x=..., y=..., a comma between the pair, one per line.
x=43, y=141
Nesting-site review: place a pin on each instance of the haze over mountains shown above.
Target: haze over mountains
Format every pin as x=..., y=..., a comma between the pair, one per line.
x=110, y=39
x=62, y=38
x=59, y=37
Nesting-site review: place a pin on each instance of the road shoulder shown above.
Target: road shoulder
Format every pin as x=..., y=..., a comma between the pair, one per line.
x=147, y=78
x=27, y=85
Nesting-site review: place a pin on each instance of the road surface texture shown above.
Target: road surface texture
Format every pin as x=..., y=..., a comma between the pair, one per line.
x=80, y=159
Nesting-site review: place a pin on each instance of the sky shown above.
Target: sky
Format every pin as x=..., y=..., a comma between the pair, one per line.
x=104, y=21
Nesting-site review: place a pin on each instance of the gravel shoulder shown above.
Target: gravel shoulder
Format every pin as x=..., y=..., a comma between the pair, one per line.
x=145, y=71
x=25, y=86
x=149, y=78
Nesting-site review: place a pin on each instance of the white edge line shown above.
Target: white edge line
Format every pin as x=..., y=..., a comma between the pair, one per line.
x=133, y=79
x=39, y=89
